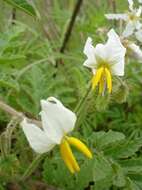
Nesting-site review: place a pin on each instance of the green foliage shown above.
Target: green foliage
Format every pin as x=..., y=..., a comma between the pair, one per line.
x=111, y=125
x=106, y=170
x=23, y=5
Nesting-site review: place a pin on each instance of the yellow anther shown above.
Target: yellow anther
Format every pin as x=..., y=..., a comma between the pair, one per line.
x=68, y=157
x=109, y=80
x=80, y=146
x=96, y=78
x=101, y=85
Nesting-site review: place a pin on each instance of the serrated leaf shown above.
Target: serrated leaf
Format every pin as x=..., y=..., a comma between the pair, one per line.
x=132, y=165
x=103, y=139
x=102, y=168
x=124, y=149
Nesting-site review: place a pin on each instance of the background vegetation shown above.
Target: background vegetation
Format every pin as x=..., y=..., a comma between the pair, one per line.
x=41, y=55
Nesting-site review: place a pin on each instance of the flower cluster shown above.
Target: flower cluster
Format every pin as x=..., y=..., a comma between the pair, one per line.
x=132, y=19
x=105, y=61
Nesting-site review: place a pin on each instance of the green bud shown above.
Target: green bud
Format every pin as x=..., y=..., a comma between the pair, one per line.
x=101, y=102
x=120, y=92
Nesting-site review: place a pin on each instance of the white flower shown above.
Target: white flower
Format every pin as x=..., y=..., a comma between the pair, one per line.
x=105, y=60
x=138, y=35
x=57, y=122
x=134, y=50
x=132, y=19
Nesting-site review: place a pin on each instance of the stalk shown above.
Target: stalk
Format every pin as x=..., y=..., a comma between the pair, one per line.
x=82, y=103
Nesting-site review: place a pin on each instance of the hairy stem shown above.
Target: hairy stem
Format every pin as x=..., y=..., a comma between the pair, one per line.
x=83, y=99
x=81, y=105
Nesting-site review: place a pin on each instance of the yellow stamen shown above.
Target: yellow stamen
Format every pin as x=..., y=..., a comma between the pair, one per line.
x=80, y=145
x=66, y=160
x=96, y=77
x=109, y=80
x=68, y=157
x=101, y=85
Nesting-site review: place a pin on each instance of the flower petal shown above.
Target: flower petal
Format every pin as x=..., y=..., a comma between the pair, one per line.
x=56, y=118
x=129, y=29
x=138, y=35
x=116, y=16
x=89, y=52
x=138, y=25
x=36, y=137
x=115, y=53
x=139, y=11
x=100, y=52
x=131, y=3
x=135, y=51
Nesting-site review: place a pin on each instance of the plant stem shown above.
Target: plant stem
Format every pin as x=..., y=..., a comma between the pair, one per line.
x=71, y=24
x=69, y=29
x=2, y=146
x=83, y=99
x=32, y=166
x=13, y=16
x=19, y=115
x=81, y=105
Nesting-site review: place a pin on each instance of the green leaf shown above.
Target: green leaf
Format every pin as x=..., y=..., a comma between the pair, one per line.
x=24, y=6
x=84, y=181
x=102, y=139
x=118, y=176
x=9, y=167
x=131, y=185
x=104, y=184
x=124, y=149
x=56, y=173
x=102, y=168
x=132, y=165
x=9, y=83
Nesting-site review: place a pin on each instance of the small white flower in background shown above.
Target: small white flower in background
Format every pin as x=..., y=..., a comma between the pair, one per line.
x=57, y=122
x=138, y=35
x=133, y=50
x=132, y=19
x=105, y=60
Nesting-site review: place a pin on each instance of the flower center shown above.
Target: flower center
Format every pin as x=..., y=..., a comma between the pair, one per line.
x=133, y=17
x=102, y=78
